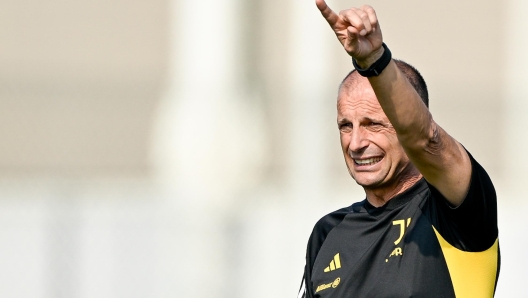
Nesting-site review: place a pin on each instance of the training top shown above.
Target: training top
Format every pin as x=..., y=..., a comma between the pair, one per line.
x=416, y=245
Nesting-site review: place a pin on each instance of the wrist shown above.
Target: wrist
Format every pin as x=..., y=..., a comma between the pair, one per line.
x=375, y=63
x=367, y=62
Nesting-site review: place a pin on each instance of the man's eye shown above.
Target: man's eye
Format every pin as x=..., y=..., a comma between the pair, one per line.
x=375, y=124
x=345, y=126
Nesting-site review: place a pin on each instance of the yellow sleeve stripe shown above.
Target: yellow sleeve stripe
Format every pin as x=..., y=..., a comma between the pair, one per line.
x=473, y=273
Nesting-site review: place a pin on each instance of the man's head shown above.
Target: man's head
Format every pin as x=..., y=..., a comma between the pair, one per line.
x=373, y=154
x=411, y=74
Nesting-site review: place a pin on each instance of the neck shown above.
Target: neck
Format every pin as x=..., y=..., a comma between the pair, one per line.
x=379, y=196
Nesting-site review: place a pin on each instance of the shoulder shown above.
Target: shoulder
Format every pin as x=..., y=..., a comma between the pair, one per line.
x=325, y=225
x=480, y=190
x=332, y=219
x=471, y=226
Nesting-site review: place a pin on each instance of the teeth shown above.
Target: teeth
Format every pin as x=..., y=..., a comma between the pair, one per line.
x=368, y=161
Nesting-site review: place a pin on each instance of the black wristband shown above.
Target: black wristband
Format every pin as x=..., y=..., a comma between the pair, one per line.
x=377, y=67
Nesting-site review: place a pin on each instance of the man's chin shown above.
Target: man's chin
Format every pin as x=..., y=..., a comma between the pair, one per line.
x=369, y=183
x=372, y=178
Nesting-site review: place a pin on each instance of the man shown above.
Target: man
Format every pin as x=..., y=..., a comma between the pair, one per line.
x=428, y=225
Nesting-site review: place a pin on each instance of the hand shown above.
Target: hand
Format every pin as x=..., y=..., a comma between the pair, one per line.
x=358, y=31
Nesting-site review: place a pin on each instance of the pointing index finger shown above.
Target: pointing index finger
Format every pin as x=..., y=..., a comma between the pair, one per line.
x=330, y=16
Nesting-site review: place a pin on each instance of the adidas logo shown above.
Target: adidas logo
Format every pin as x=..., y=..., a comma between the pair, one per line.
x=334, y=264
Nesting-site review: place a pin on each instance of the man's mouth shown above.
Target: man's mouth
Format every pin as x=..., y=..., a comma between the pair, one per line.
x=367, y=161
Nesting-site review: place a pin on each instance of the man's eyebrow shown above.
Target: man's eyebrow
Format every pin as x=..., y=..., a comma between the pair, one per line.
x=342, y=121
x=373, y=120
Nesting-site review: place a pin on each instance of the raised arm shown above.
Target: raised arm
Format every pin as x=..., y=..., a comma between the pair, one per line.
x=440, y=158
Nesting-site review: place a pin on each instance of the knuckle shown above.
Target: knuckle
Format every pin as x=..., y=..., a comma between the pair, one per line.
x=362, y=14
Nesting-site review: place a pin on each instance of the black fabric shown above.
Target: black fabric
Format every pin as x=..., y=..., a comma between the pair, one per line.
x=472, y=226
x=318, y=236
x=392, y=251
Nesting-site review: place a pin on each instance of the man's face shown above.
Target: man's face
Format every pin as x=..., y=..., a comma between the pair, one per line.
x=372, y=152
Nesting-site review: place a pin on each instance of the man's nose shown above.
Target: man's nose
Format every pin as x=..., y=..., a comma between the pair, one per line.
x=358, y=140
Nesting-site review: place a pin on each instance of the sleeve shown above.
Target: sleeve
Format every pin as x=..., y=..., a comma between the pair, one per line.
x=472, y=226
x=318, y=236
x=302, y=290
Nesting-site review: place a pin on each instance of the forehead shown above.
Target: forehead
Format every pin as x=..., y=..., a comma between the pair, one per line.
x=357, y=99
